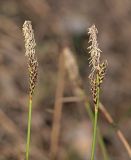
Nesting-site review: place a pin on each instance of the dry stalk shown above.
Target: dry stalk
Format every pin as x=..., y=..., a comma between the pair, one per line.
x=57, y=109
x=118, y=131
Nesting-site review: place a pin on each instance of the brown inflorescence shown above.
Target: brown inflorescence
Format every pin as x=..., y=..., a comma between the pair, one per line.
x=98, y=69
x=30, y=54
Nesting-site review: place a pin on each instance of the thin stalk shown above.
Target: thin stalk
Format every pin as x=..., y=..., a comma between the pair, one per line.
x=100, y=139
x=29, y=128
x=57, y=109
x=116, y=128
x=102, y=145
x=95, y=121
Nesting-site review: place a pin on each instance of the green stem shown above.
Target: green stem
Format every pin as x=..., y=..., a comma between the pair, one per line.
x=29, y=128
x=100, y=139
x=95, y=121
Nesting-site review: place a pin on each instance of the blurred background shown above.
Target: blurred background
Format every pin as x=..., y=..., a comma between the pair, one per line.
x=58, y=24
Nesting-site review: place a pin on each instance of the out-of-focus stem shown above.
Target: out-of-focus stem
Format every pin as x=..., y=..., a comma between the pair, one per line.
x=118, y=131
x=57, y=109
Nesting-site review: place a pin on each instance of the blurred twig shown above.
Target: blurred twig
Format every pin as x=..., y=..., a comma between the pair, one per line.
x=57, y=108
x=115, y=126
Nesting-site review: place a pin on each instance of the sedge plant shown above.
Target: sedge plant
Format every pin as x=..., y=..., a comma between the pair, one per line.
x=74, y=76
x=33, y=73
x=96, y=78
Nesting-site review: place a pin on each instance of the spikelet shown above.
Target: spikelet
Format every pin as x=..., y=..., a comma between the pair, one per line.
x=98, y=69
x=94, y=49
x=30, y=54
x=94, y=89
x=102, y=72
x=70, y=64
